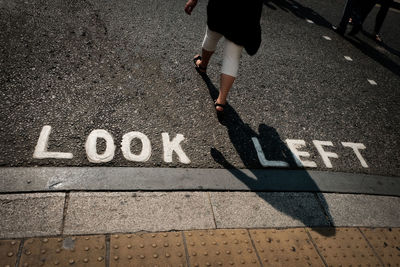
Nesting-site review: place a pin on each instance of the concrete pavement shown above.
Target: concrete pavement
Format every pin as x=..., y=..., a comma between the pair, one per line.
x=72, y=213
x=198, y=229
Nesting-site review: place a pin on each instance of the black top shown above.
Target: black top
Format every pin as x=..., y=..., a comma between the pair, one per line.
x=237, y=20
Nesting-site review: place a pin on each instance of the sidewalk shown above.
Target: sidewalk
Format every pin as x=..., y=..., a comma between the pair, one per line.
x=223, y=247
x=201, y=228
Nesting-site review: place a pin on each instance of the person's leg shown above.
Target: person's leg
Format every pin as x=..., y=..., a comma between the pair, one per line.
x=341, y=29
x=359, y=14
x=230, y=67
x=226, y=83
x=380, y=17
x=363, y=9
x=210, y=42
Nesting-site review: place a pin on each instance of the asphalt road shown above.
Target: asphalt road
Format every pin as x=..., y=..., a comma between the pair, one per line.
x=126, y=65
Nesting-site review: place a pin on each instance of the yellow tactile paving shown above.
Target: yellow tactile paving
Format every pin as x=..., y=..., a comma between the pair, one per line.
x=386, y=243
x=220, y=248
x=8, y=252
x=286, y=247
x=157, y=249
x=344, y=247
x=68, y=251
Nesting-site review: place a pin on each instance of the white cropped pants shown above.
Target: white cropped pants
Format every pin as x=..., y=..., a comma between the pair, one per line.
x=232, y=52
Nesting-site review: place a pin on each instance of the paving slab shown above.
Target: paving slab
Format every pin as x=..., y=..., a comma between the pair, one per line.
x=9, y=252
x=386, y=244
x=145, y=249
x=327, y=246
x=285, y=247
x=362, y=210
x=254, y=210
x=133, y=212
x=67, y=251
x=221, y=247
x=347, y=247
x=26, y=215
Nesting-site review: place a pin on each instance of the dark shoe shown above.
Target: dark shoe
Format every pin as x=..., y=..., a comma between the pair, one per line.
x=356, y=29
x=339, y=30
x=223, y=106
x=221, y=115
x=378, y=39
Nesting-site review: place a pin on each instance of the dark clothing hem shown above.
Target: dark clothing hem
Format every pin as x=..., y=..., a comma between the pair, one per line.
x=238, y=21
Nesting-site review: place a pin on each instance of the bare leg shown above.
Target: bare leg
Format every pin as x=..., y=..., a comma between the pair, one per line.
x=225, y=85
x=209, y=45
x=229, y=70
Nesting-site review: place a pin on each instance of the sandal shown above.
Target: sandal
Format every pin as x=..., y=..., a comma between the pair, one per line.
x=378, y=38
x=223, y=106
x=198, y=67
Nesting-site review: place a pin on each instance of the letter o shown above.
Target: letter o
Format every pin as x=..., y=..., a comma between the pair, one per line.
x=126, y=147
x=91, y=146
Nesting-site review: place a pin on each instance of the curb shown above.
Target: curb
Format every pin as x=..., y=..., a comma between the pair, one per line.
x=64, y=179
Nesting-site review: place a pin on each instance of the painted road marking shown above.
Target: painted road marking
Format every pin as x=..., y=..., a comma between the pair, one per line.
x=327, y=38
x=372, y=82
x=356, y=148
x=261, y=157
x=296, y=146
x=170, y=146
x=324, y=154
x=174, y=145
x=348, y=58
x=43, y=144
x=91, y=146
x=144, y=155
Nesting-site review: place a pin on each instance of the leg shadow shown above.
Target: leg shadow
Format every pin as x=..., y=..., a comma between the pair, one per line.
x=275, y=149
x=388, y=48
x=304, y=12
x=375, y=55
x=298, y=10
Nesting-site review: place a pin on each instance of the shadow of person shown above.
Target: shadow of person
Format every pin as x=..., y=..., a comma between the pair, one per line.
x=304, y=12
x=242, y=137
x=384, y=45
x=376, y=55
x=298, y=10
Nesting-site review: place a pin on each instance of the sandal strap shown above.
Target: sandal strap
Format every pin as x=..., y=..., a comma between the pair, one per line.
x=219, y=105
x=198, y=66
x=202, y=68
